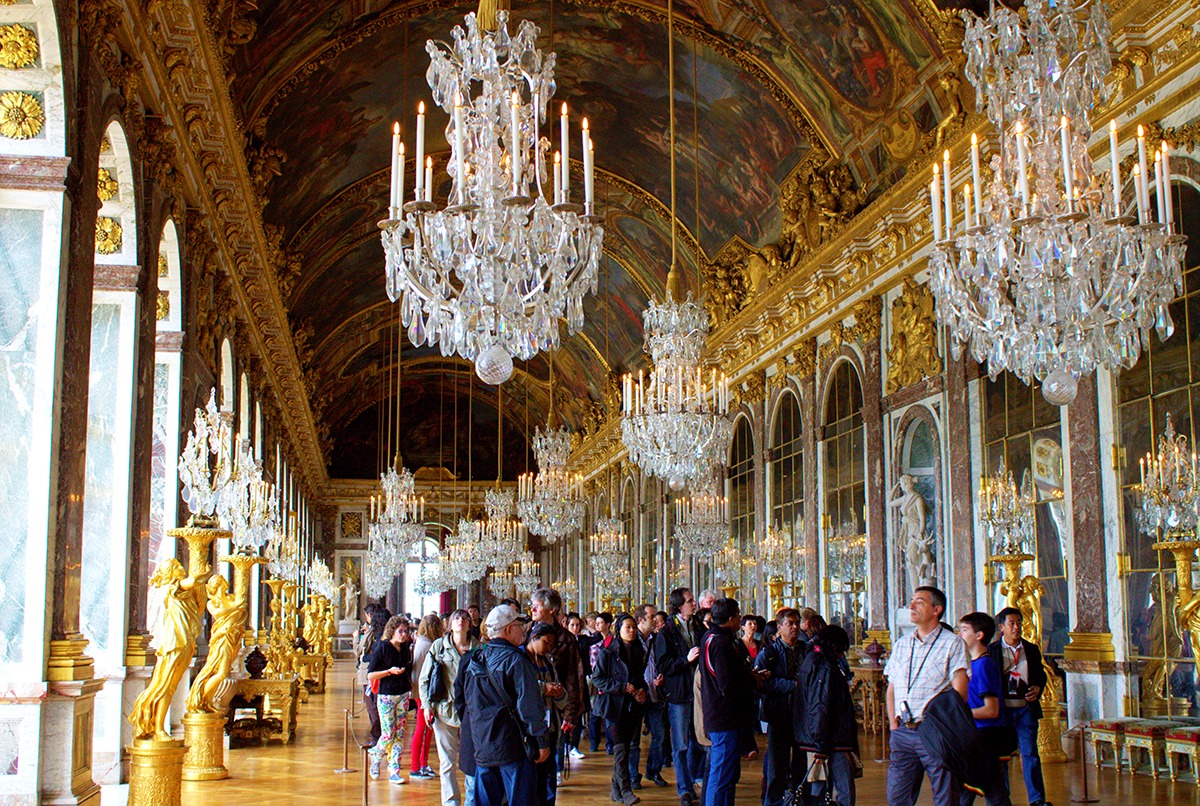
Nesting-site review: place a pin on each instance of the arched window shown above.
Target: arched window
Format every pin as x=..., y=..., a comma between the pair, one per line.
x=244, y=412
x=116, y=221
x=651, y=532
x=844, y=519
x=422, y=561
x=741, y=496
x=226, y=394
x=787, y=482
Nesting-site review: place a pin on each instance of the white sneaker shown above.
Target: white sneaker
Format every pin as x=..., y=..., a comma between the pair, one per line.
x=399, y=781
x=558, y=780
x=576, y=754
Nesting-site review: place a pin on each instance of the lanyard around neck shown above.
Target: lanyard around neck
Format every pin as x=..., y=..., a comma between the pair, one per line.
x=928, y=652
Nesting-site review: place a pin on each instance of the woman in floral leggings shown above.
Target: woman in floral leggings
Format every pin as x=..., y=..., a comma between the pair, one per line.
x=391, y=670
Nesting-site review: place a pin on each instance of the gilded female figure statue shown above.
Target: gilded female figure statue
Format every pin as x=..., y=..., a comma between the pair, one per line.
x=182, y=604
x=919, y=563
x=228, y=627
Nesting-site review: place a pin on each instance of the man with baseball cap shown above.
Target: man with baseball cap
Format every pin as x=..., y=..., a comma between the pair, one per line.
x=498, y=689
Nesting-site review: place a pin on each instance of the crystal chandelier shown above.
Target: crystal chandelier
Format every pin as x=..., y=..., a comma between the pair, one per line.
x=501, y=534
x=702, y=523
x=1170, y=494
x=727, y=565
x=252, y=506
x=206, y=466
x=609, y=549
x=464, y=562
x=283, y=554
x=1043, y=273
x=398, y=514
x=379, y=569
x=776, y=557
x=490, y=275
x=320, y=579
x=550, y=502
x=1006, y=512
x=527, y=574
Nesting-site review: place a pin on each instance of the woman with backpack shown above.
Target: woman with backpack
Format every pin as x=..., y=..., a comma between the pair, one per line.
x=620, y=678
x=436, y=688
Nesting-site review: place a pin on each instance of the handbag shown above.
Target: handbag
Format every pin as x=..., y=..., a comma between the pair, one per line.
x=532, y=751
x=436, y=690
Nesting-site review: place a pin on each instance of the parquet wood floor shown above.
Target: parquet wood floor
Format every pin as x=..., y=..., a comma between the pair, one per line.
x=302, y=773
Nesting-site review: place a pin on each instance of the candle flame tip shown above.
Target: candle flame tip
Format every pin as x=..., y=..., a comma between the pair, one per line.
x=421, y=108
x=1141, y=130
x=396, y=127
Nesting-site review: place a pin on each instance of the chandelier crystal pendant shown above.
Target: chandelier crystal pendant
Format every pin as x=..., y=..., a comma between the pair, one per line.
x=1006, y=513
x=490, y=274
x=464, y=560
x=1169, y=488
x=702, y=523
x=609, y=549
x=251, y=508
x=1043, y=273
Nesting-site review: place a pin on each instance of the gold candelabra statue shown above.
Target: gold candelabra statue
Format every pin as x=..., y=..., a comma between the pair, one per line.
x=1008, y=518
x=204, y=723
x=775, y=558
x=275, y=642
x=1170, y=493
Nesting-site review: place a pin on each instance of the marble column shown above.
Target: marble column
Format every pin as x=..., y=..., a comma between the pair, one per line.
x=877, y=573
x=812, y=490
x=962, y=564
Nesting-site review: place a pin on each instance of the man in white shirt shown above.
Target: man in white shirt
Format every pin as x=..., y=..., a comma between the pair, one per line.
x=923, y=664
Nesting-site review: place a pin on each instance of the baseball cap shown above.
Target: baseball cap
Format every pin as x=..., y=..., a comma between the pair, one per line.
x=501, y=616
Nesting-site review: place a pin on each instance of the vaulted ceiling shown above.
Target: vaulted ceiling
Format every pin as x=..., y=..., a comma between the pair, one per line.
x=761, y=85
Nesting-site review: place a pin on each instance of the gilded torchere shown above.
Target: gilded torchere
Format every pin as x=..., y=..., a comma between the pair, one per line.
x=204, y=723
x=156, y=758
x=275, y=641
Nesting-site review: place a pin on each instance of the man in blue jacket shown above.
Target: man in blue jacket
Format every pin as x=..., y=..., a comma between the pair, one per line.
x=675, y=654
x=497, y=687
x=784, y=765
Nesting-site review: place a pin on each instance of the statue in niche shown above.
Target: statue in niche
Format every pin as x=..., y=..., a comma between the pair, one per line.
x=350, y=591
x=183, y=602
x=920, y=567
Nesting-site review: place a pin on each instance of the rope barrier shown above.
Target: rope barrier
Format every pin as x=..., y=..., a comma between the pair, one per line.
x=346, y=729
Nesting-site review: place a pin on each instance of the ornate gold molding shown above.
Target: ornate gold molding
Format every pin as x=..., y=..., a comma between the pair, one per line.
x=106, y=185
x=108, y=235
x=21, y=115
x=913, y=352
x=1090, y=646
x=18, y=47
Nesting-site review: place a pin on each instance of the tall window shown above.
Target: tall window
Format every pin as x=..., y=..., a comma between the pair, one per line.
x=787, y=483
x=628, y=515
x=1166, y=380
x=652, y=506
x=1025, y=430
x=845, y=502
x=741, y=497
x=421, y=561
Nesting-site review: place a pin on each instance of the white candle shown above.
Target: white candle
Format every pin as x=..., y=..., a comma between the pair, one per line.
x=587, y=163
x=394, y=198
x=1065, y=139
x=1158, y=188
x=558, y=177
x=976, y=174
x=1114, y=168
x=1167, y=200
x=1137, y=189
x=1144, y=194
x=565, y=145
x=968, y=217
x=400, y=181
x=420, y=148
x=458, y=149
x=514, y=124
x=1022, y=179
x=429, y=179
x=948, y=197
x=936, y=204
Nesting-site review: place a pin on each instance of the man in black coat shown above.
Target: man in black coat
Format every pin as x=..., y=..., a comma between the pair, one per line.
x=824, y=710
x=1022, y=677
x=675, y=654
x=784, y=765
x=496, y=683
x=727, y=686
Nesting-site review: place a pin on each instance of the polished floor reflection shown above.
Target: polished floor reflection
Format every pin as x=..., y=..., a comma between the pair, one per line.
x=302, y=773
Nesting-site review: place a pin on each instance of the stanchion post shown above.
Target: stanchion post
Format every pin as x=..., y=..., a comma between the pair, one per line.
x=346, y=745
x=366, y=777
x=1085, y=797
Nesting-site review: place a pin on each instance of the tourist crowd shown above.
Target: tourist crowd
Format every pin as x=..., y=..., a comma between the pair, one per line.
x=507, y=699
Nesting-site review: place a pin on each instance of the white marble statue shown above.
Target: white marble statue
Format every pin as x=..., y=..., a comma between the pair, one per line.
x=349, y=600
x=916, y=544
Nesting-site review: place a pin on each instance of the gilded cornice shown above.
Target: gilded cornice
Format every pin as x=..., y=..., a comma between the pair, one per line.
x=180, y=60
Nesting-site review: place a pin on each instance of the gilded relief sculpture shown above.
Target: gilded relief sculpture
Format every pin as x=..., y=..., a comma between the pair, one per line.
x=913, y=354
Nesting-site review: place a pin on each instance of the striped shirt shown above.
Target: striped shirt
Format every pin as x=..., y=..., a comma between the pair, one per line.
x=921, y=668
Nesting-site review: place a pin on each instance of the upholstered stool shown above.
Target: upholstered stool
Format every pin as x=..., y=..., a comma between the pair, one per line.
x=1183, y=741
x=1149, y=735
x=1109, y=732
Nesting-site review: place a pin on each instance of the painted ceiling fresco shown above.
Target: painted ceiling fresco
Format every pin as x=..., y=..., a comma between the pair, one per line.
x=759, y=85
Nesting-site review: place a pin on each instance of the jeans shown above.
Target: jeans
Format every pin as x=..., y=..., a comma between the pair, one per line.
x=911, y=762
x=688, y=755
x=595, y=731
x=724, y=767
x=546, y=786
x=515, y=781
x=784, y=765
x=656, y=714
x=1026, y=725
x=841, y=777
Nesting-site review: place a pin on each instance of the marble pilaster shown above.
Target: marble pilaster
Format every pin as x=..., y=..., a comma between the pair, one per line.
x=877, y=573
x=963, y=566
x=1088, y=561
x=66, y=743
x=808, y=419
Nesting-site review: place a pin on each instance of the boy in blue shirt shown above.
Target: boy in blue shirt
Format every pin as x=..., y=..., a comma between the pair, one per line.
x=985, y=699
